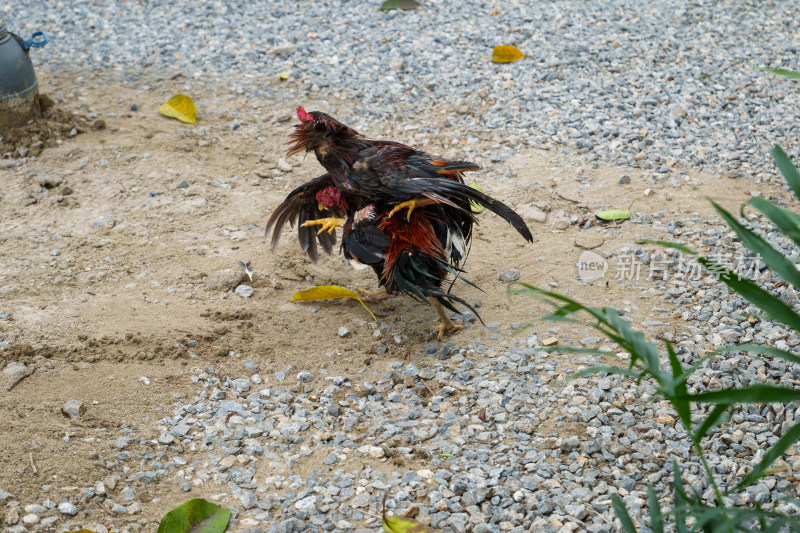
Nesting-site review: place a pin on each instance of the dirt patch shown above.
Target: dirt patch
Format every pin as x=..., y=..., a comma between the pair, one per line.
x=50, y=127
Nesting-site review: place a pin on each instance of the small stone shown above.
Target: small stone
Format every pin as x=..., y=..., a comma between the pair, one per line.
x=73, y=409
x=649, y=192
x=55, y=252
x=128, y=493
x=304, y=377
x=134, y=508
x=166, y=439
x=225, y=280
x=624, y=179
x=30, y=519
x=134, y=107
x=48, y=181
x=306, y=504
x=245, y=291
x=283, y=166
x=119, y=509
x=331, y=459
x=67, y=509
x=252, y=365
x=4, y=495
x=509, y=275
x=284, y=49
x=236, y=125
x=531, y=212
x=559, y=220
x=183, y=184
x=550, y=341
x=396, y=64
x=343, y=332
x=12, y=516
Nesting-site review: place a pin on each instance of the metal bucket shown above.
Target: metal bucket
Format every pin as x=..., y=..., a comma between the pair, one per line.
x=19, y=91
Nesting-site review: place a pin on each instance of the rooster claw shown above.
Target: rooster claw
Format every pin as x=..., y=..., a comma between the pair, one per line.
x=328, y=224
x=411, y=205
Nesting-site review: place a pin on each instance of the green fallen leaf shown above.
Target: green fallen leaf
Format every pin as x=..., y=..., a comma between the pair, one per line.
x=195, y=516
x=614, y=214
x=399, y=4
x=782, y=72
x=475, y=207
x=283, y=76
x=328, y=292
x=447, y=455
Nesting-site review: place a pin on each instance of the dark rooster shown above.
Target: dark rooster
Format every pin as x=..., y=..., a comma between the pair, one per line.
x=367, y=183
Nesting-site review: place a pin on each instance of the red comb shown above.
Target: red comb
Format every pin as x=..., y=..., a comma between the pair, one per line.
x=302, y=115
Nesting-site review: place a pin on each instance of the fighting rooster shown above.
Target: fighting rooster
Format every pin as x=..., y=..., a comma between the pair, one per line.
x=367, y=184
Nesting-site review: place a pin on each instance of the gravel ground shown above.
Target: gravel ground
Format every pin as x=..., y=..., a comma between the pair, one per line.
x=489, y=436
x=649, y=85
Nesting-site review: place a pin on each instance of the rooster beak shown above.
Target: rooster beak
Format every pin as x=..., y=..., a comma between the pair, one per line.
x=321, y=206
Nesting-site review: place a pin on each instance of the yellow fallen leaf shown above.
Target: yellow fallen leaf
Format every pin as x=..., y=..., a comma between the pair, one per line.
x=181, y=107
x=328, y=292
x=505, y=53
x=283, y=75
x=476, y=208
x=395, y=524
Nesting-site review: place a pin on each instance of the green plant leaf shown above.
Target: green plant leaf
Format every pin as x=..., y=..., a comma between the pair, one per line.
x=678, y=402
x=195, y=516
x=656, y=517
x=622, y=514
x=782, y=72
x=679, y=496
x=774, y=259
x=786, y=221
x=399, y=4
x=788, y=170
x=786, y=441
x=710, y=421
x=760, y=349
x=759, y=393
x=614, y=214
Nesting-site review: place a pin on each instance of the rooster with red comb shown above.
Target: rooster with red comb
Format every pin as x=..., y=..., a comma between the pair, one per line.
x=366, y=187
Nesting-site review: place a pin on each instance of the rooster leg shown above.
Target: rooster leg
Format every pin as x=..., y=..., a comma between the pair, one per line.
x=411, y=205
x=378, y=296
x=445, y=324
x=329, y=224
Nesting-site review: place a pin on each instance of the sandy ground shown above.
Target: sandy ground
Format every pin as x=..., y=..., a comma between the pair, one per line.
x=104, y=283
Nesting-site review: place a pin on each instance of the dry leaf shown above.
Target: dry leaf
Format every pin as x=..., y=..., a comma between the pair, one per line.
x=505, y=53
x=181, y=107
x=475, y=207
x=328, y=292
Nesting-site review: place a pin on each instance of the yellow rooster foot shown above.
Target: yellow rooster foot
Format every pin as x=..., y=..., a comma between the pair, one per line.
x=445, y=324
x=329, y=224
x=411, y=205
x=377, y=296
x=446, y=328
